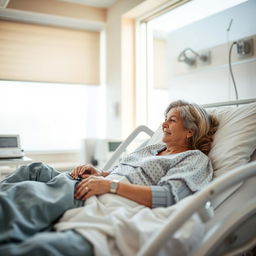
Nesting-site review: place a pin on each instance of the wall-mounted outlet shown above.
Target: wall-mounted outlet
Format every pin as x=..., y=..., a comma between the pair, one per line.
x=205, y=58
x=245, y=48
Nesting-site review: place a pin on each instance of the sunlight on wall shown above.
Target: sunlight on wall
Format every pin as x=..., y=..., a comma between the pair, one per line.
x=51, y=116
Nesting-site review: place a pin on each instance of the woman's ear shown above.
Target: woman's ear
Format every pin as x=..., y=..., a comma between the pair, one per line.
x=190, y=133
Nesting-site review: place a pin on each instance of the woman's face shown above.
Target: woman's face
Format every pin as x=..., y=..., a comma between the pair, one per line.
x=175, y=134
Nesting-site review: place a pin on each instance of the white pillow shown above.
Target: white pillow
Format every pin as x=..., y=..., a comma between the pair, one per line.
x=235, y=139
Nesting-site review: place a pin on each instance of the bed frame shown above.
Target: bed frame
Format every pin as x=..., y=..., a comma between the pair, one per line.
x=228, y=231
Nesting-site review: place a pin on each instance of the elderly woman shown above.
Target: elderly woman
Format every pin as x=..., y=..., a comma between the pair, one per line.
x=155, y=176
x=159, y=174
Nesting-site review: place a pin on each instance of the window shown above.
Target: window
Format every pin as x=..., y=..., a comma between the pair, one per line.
x=50, y=117
x=59, y=111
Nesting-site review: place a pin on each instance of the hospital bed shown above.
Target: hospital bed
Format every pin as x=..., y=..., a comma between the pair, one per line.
x=226, y=207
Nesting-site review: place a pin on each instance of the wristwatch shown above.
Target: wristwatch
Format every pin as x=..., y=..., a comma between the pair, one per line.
x=114, y=186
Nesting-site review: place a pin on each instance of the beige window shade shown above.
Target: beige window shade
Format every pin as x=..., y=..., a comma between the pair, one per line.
x=48, y=54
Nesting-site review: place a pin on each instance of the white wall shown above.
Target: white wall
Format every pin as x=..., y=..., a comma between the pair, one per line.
x=213, y=83
x=51, y=116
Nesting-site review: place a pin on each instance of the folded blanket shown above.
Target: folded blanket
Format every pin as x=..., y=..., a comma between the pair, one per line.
x=119, y=226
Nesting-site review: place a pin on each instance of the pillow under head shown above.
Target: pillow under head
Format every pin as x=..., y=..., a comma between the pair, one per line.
x=235, y=140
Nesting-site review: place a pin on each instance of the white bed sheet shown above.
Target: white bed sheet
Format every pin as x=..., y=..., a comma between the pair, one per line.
x=118, y=226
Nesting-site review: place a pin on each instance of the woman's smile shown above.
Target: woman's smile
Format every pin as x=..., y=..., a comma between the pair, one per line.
x=166, y=131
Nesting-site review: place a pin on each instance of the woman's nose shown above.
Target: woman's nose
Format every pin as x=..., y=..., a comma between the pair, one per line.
x=165, y=124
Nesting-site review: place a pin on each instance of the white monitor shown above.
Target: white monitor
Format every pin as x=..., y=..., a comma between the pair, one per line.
x=10, y=146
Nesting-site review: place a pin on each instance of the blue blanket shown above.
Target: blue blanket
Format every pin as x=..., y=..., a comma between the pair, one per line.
x=32, y=199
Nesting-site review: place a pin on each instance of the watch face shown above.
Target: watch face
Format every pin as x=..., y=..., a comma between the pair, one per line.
x=113, y=186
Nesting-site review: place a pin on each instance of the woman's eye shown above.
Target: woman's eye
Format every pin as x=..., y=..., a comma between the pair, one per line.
x=169, y=120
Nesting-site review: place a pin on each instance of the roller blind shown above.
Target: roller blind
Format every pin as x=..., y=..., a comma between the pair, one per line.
x=30, y=52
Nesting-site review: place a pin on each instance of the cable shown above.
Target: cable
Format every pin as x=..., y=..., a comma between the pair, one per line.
x=229, y=26
x=230, y=69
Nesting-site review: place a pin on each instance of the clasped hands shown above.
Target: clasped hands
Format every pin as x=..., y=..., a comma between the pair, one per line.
x=92, y=183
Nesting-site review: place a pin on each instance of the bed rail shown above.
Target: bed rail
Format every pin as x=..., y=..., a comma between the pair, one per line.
x=242, y=219
x=197, y=201
x=126, y=143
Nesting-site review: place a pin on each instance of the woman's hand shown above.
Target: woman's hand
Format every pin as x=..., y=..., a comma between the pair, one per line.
x=84, y=171
x=93, y=185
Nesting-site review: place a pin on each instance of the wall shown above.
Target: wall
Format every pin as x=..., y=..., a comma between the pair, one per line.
x=212, y=83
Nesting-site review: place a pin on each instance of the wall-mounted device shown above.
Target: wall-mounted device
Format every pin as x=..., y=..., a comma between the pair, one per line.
x=245, y=47
x=10, y=146
x=191, y=57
